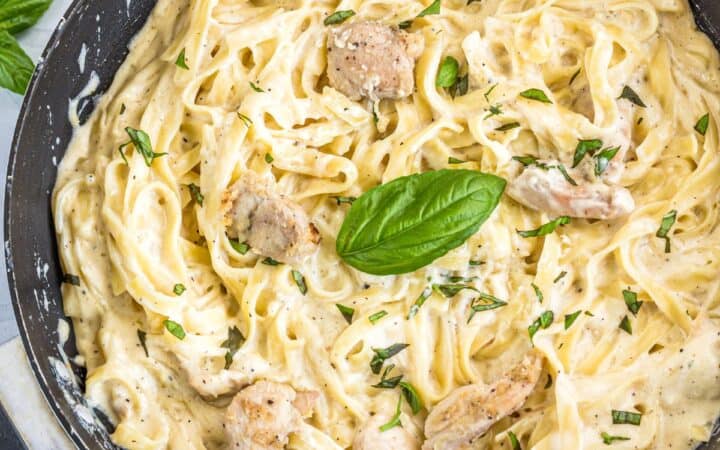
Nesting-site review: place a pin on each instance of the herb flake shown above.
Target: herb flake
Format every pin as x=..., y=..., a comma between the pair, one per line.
x=338, y=17
x=240, y=247
x=447, y=73
x=411, y=396
x=584, y=147
x=395, y=419
x=666, y=224
x=381, y=354
x=702, y=125
x=625, y=417
x=373, y=318
x=608, y=439
x=346, y=311
x=625, y=325
x=196, y=193
x=178, y=289
x=142, y=337
x=424, y=295
x=299, y=281
x=180, y=61
x=233, y=342
x=175, y=329
x=631, y=301
x=433, y=9
x=142, y=144
x=571, y=318
x=545, y=229
x=603, y=158
x=536, y=94
x=632, y=96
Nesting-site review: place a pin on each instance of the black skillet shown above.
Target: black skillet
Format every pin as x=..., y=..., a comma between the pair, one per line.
x=42, y=133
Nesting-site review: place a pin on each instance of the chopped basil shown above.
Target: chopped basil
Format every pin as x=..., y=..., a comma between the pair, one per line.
x=489, y=91
x=607, y=439
x=538, y=292
x=702, y=125
x=575, y=75
x=452, y=160
x=565, y=174
x=255, y=87
x=485, y=302
x=175, y=329
x=460, y=87
x=269, y=158
x=450, y=290
x=495, y=110
x=240, y=247
x=545, y=229
x=381, y=354
x=544, y=322
x=458, y=279
x=180, y=61
x=514, y=441
x=632, y=96
x=570, y=318
x=603, y=158
x=548, y=383
x=475, y=262
x=268, y=261
x=433, y=9
x=668, y=221
x=300, y=281
x=411, y=396
x=525, y=160
x=395, y=419
x=178, y=289
x=388, y=383
x=625, y=417
x=71, y=279
x=338, y=17
x=631, y=301
x=142, y=336
x=625, y=325
x=142, y=144
x=122, y=108
x=346, y=312
x=472, y=1
x=404, y=25
x=196, y=194
x=584, y=147
x=589, y=314
x=233, y=342
x=340, y=200
x=373, y=318
x=535, y=94
x=447, y=73
x=508, y=126
x=559, y=277
x=424, y=295
x=245, y=119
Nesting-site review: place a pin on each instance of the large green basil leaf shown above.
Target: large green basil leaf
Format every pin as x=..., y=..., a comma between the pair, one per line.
x=16, y=67
x=17, y=15
x=409, y=222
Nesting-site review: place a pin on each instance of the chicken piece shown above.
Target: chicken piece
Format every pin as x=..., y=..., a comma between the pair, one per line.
x=271, y=224
x=547, y=190
x=369, y=436
x=262, y=416
x=370, y=59
x=469, y=411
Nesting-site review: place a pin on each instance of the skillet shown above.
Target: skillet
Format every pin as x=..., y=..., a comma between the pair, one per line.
x=42, y=133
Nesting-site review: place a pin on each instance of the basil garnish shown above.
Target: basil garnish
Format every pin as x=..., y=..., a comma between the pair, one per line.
x=526, y=160
x=451, y=290
x=485, y=302
x=395, y=419
x=424, y=295
x=538, y=292
x=196, y=194
x=702, y=125
x=632, y=96
x=346, y=312
x=233, y=342
x=584, y=147
x=495, y=110
x=71, y=279
x=460, y=87
x=388, y=383
x=409, y=222
x=255, y=87
x=626, y=417
x=631, y=301
x=603, y=158
x=575, y=75
x=245, y=119
x=545, y=229
x=240, y=247
x=544, y=322
x=448, y=72
x=411, y=396
x=452, y=160
x=300, y=281
x=625, y=325
x=608, y=439
x=535, y=94
x=489, y=91
x=142, y=144
x=570, y=318
x=514, y=441
x=433, y=9
x=338, y=17
x=668, y=221
x=341, y=200
x=269, y=158
x=564, y=173
x=381, y=354
x=175, y=329
x=405, y=24
x=548, y=383
x=559, y=277
x=268, y=261
x=373, y=318
x=178, y=289
x=180, y=61
x=142, y=336
x=508, y=126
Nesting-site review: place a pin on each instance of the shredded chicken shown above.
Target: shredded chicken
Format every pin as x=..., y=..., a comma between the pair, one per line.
x=270, y=224
x=262, y=416
x=549, y=191
x=369, y=436
x=370, y=59
x=469, y=411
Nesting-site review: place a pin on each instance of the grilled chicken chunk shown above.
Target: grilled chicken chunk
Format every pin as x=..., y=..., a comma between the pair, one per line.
x=373, y=60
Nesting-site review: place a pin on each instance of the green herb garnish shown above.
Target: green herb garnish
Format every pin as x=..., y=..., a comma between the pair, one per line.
x=538, y=292
x=448, y=72
x=625, y=325
x=559, y=277
x=485, y=302
x=433, y=9
x=71, y=279
x=338, y=17
x=702, y=125
x=625, y=417
x=411, y=396
x=570, y=318
x=255, y=87
x=460, y=87
x=584, y=147
x=514, y=441
x=240, y=247
x=495, y=110
x=608, y=439
x=175, y=329
x=268, y=261
x=340, y=200
x=508, y=126
x=346, y=312
x=544, y=322
x=395, y=419
x=300, y=281
x=180, y=61
x=381, y=354
x=196, y=194
x=452, y=160
x=142, y=337
x=631, y=301
x=424, y=295
x=632, y=96
x=245, y=119
x=142, y=144
x=545, y=229
x=373, y=318
x=233, y=342
x=269, y=158
x=178, y=289
x=575, y=75
x=450, y=290
x=603, y=158
x=668, y=221
x=388, y=383
x=535, y=94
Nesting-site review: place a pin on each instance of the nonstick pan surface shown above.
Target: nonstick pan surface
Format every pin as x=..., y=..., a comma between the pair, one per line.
x=104, y=27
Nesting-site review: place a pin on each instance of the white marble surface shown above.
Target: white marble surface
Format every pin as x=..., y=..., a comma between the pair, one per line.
x=33, y=41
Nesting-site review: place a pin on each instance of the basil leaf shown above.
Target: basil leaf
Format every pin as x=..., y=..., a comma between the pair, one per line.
x=544, y=322
x=625, y=325
x=373, y=318
x=196, y=194
x=535, y=94
x=388, y=383
x=495, y=110
x=395, y=419
x=452, y=160
x=538, y=292
x=178, y=289
x=122, y=108
x=409, y=222
x=405, y=24
x=381, y=354
x=668, y=221
x=514, y=441
x=180, y=61
x=702, y=125
x=460, y=87
x=341, y=200
x=255, y=87
x=448, y=72
x=625, y=417
x=584, y=147
x=545, y=229
x=508, y=126
x=19, y=15
x=632, y=96
x=451, y=290
x=575, y=75
x=525, y=160
x=240, y=247
x=234, y=341
x=570, y=318
x=245, y=119
x=411, y=396
x=269, y=158
x=346, y=312
x=268, y=261
x=489, y=91
x=475, y=263
x=433, y=9
x=338, y=17
x=548, y=383
x=607, y=439
x=424, y=295
x=559, y=277
x=71, y=279
x=300, y=281
x=603, y=158
x=457, y=279
x=16, y=67
x=141, y=141
x=631, y=301
x=485, y=302
x=175, y=329
x=565, y=175
x=142, y=337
